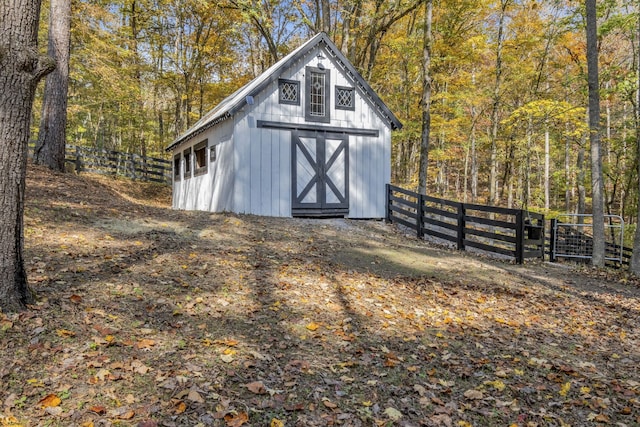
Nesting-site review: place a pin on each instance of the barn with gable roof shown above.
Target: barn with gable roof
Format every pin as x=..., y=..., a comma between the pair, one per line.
x=308, y=137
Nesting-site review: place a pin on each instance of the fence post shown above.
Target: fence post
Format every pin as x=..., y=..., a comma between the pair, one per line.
x=78, y=160
x=388, y=203
x=520, y=237
x=552, y=240
x=419, y=214
x=543, y=236
x=462, y=212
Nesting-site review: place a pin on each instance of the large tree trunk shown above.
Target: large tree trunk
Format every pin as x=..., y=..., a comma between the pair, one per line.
x=52, y=136
x=20, y=70
x=426, y=100
x=597, y=190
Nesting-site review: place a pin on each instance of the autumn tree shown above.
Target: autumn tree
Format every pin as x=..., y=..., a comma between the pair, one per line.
x=597, y=185
x=50, y=147
x=634, y=265
x=21, y=67
x=426, y=99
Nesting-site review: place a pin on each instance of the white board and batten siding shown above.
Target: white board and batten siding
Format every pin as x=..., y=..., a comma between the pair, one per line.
x=212, y=191
x=263, y=184
x=252, y=173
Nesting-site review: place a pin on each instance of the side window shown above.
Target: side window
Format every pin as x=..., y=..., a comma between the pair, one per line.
x=289, y=92
x=186, y=155
x=176, y=167
x=317, y=95
x=200, y=158
x=345, y=98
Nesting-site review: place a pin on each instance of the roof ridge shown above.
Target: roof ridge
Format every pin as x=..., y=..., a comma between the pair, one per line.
x=238, y=99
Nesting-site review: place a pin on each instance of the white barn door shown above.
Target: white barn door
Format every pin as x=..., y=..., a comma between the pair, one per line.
x=320, y=173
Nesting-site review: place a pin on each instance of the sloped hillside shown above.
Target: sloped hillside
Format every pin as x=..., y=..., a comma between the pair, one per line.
x=153, y=317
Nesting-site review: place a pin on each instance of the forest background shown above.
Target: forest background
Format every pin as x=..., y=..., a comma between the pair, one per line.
x=508, y=80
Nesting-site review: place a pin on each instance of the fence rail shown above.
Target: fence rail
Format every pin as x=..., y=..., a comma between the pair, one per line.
x=117, y=163
x=514, y=233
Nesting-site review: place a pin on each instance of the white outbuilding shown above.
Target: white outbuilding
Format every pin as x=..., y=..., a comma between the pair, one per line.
x=308, y=137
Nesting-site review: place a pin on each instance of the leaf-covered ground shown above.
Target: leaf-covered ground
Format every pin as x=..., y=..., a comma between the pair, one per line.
x=153, y=317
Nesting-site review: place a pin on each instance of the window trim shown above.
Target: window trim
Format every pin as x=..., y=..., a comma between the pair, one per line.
x=351, y=107
x=186, y=155
x=309, y=71
x=177, y=163
x=281, y=82
x=200, y=169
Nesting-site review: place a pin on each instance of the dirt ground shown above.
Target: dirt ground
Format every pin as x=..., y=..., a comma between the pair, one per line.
x=154, y=317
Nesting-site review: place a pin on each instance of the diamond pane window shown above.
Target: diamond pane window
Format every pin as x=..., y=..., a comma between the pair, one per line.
x=345, y=98
x=289, y=92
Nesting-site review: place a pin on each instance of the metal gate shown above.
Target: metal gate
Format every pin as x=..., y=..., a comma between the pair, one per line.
x=572, y=237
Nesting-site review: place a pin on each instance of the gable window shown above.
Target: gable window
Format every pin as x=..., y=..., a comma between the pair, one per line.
x=200, y=158
x=176, y=167
x=317, y=95
x=289, y=92
x=345, y=98
x=186, y=155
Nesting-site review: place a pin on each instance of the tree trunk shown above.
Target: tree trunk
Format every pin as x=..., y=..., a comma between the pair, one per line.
x=426, y=100
x=567, y=171
x=495, y=107
x=580, y=179
x=20, y=70
x=634, y=264
x=52, y=135
x=547, y=161
x=597, y=190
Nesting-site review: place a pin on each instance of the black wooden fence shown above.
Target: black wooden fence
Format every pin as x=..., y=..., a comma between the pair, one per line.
x=117, y=163
x=513, y=233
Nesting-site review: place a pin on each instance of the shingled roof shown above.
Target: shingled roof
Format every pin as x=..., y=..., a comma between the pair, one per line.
x=234, y=102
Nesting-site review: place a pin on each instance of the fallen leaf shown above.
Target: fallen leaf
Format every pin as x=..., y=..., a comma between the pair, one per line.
x=329, y=404
x=473, y=394
x=127, y=415
x=139, y=367
x=50, y=400
x=276, y=423
x=145, y=343
x=313, y=326
x=147, y=423
x=565, y=389
x=497, y=384
x=256, y=387
x=76, y=299
x=98, y=409
x=441, y=419
x=54, y=410
x=393, y=414
x=194, y=396
x=65, y=333
x=420, y=389
x=180, y=407
x=227, y=358
x=236, y=420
